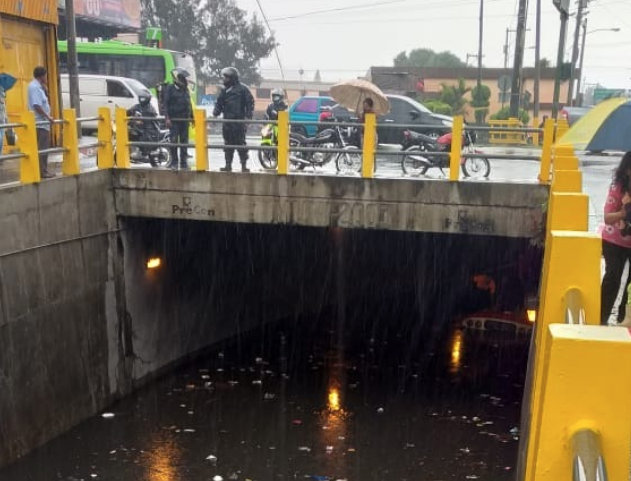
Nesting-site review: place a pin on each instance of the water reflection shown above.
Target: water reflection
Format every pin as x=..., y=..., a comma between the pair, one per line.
x=163, y=459
x=457, y=347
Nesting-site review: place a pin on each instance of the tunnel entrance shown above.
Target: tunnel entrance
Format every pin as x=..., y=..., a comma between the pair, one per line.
x=312, y=354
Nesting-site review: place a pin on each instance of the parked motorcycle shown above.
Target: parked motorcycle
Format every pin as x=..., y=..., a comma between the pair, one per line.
x=144, y=130
x=416, y=161
x=269, y=138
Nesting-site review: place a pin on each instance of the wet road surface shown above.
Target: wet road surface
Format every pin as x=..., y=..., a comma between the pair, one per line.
x=387, y=400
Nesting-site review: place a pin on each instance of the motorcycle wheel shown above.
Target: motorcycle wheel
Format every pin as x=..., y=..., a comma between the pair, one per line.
x=413, y=163
x=293, y=142
x=268, y=159
x=163, y=156
x=476, y=167
x=349, y=162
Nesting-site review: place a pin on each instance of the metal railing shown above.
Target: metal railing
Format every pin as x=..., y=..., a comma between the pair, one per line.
x=113, y=143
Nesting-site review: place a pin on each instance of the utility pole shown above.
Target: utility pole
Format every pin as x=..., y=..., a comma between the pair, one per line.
x=519, y=58
x=506, y=49
x=580, y=68
x=481, y=37
x=557, y=78
x=577, y=36
x=535, y=112
x=73, y=70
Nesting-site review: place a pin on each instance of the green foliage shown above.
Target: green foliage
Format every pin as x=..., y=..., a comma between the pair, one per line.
x=424, y=57
x=438, y=107
x=504, y=114
x=453, y=95
x=480, y=103
x=215, y=32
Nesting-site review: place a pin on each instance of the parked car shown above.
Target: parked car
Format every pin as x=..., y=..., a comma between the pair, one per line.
x=308, y=109
x=103, y=91
x=572, y=114
x=403, y=111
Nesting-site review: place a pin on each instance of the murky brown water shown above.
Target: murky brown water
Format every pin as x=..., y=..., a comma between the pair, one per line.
x=288, y=402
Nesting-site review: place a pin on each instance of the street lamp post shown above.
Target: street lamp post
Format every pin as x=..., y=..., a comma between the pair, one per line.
x=580, y=68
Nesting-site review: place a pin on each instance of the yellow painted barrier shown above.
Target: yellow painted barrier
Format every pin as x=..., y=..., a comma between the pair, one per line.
x=456, y=148
x=105, y=133
x=283, y=143
x=562, y=128
x=504, y=137
x=579, y=388
x=566, y=176
x=370, y=141
x=201, y=140
x=27, y=144
x=70, y=163
x=122, y=139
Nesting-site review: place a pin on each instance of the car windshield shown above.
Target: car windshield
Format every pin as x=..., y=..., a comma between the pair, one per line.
x=137, y=87
x=418, y=105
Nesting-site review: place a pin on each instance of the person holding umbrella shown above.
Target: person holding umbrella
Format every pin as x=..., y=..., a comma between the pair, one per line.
x=6, y=83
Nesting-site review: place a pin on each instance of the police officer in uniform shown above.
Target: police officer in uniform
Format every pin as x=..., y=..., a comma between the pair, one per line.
x=178, y=113
x=235, y=102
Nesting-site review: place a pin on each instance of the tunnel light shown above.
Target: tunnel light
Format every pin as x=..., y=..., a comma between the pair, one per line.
x=154, y=263
x=532, y=315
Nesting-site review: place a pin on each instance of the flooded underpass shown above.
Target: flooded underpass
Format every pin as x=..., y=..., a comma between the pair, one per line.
x=363, y=373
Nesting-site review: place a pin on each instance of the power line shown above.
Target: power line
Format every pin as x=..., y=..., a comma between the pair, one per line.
x=280, y=65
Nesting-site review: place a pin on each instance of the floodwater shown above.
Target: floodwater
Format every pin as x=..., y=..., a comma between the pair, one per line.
x=370, y=396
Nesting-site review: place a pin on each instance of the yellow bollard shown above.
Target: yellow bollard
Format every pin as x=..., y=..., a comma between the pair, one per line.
x=535, y=135
x=578, y=389
x=561, y=273
x=546, y=151
x=70, y=164
x=122, y=139
x=282, y=151
x=201, y=140
x=370, y=140
x=105, y=150
x=562, y=128
x=27, y=144
x=456, y=148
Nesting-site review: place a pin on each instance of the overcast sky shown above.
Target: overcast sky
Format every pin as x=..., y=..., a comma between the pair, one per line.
x=343, y=38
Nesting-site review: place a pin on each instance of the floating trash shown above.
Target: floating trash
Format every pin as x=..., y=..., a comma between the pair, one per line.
x=258, y=360
x=212, y=458
x=410, y=445
x=107, y=415
x=329, y=449
x=380, y=410
x=304, y=449
x=465, y=450
x=189, y=430
x=217, y=478
x=473, y=476
x=257, y=382
x=269, y=395
x=297, y=422
x=93, y=475
x=205, y=376
x=514, y=431
x=233, y=383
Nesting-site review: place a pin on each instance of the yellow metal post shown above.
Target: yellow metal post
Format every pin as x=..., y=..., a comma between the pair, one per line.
x=105, y=150
x=283, y=143
x=370, y=141
x=578, y=391
x=535, y=135
x=546, y=151
x=456, y=148
x=562, y=128
x=122, y=139
x=70, y=164
x=561, y=272
x=27, y=144
x=201, y=140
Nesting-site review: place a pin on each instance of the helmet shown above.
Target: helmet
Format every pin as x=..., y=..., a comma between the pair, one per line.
x=144, y=98
x=277, y=95
x=230, y=75
x=180, y=73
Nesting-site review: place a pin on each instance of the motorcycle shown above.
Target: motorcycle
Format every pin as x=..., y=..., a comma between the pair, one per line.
x=269, y=138
x=144, y=130
x=415, y=163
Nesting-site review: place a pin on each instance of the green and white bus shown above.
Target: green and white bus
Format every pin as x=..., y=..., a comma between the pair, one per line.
x=150, y=66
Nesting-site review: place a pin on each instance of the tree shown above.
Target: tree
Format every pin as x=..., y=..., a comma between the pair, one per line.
x=544, y=63
x=504, y=114
x=453, y=95
x=424, y=57
x=480, y=102
x=438, y=107
x=215, y=32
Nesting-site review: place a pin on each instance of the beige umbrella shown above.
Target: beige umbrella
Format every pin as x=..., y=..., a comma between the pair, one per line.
x=351, y=94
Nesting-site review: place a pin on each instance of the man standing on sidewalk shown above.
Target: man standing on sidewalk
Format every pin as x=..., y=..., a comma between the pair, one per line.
x=38, y=103
x=235, y=102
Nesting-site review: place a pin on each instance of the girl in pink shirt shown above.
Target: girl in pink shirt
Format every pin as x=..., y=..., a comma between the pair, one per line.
x=616, y=237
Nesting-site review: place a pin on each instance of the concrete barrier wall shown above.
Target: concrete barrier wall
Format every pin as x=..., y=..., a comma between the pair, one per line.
x=56, y=284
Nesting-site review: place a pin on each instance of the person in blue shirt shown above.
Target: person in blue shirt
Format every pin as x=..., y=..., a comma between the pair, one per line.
x=38, y=103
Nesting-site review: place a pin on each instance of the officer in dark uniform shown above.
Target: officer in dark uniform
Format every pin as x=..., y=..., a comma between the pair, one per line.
x=278, y=105
x=235, y=102
x=178, y=113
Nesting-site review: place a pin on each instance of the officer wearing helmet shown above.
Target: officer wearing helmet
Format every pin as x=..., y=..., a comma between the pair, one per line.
x=178, y=113
x=149, y=129
x=235, y=102
x=278, y=104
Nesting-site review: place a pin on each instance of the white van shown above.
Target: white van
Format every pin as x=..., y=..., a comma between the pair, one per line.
x=103, y=91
